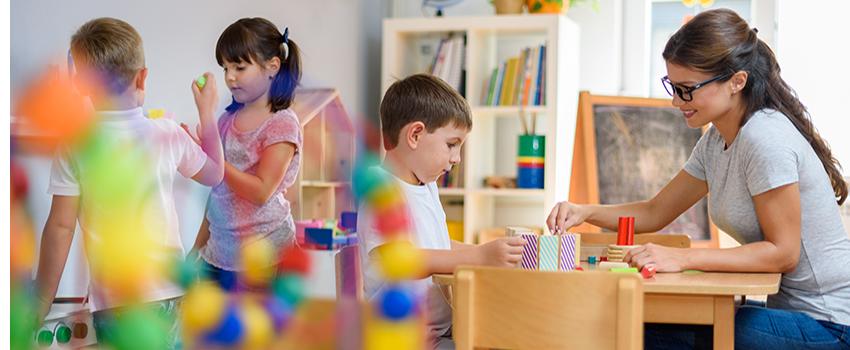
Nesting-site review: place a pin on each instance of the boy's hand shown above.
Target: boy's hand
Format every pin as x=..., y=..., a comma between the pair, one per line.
x=503, y=252
x=206, y=98
x=193, y=136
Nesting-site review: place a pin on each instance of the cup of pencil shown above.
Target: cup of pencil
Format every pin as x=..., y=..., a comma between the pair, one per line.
x=530, y=161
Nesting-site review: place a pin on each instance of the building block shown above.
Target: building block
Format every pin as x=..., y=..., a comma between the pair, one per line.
x=548, y=253
x=511, y=231
x=591, y=259
x=529, y=252
x=320, y=237
x=569, y=252
x=625, y=269
x=648, y=271
x=608, y=265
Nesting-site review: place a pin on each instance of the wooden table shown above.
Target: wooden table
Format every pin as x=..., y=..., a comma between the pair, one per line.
x=705, y=298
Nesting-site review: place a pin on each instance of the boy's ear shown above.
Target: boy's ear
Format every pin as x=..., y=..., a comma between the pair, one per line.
x=414, y=133
x=141, y=77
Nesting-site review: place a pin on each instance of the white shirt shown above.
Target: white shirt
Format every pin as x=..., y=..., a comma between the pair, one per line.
x=168, y=150
x=428, y=231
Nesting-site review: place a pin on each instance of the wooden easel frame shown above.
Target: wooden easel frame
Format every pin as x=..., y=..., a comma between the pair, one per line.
x=584, y=181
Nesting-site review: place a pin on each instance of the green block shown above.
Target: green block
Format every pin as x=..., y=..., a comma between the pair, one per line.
x=625, y=269
x=201, y=81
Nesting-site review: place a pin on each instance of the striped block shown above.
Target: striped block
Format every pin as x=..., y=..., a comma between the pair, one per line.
x=529, y=252
x=569, y=252
x=549, y=253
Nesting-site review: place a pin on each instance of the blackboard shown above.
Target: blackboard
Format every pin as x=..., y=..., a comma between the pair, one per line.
x=631, y=148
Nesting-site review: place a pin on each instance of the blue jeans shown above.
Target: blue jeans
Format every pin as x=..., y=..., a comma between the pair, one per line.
x=756, y=327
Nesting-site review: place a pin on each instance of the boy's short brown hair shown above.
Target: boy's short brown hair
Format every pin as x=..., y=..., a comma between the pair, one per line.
x=425, y=98
x=112, y=48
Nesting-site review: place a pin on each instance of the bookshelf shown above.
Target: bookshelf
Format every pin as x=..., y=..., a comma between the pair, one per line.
x=322, y=189
x=410, y=46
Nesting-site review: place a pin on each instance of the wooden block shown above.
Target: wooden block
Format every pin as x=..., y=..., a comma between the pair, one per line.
x=529, y=252
x=517, y=230
x=569, y=252
x=548, y=253
x=607, y=265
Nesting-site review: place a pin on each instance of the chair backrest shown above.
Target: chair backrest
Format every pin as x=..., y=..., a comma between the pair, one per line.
x=520, y=309
x=349, y=281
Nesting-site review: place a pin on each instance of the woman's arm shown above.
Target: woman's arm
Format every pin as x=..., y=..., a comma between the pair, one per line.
x=270, y=172
x=778, y=212
x=652, y=215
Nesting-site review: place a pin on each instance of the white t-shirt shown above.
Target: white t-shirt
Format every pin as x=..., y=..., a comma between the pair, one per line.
x=428, y=231
x=168, y=150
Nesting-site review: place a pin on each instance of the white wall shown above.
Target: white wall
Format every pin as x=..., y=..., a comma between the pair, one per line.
x=340, y=42
x=813, y=50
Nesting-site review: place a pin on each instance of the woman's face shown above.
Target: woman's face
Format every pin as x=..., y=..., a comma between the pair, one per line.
x=710, y=102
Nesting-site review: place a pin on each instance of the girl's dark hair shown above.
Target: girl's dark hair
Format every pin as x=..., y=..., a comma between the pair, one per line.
x=721, y=42
x=258, y=40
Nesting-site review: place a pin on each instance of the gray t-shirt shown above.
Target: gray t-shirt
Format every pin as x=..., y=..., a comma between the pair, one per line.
x=768, y=153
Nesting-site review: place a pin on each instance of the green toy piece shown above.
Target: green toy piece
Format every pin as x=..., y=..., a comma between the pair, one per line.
x=201, y=81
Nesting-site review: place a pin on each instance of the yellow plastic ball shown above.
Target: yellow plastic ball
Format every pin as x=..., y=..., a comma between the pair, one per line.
x=258, y=262
x=258, y=325
x=383, y=335
x=400, y=260
x=386, y=195
x=203, y=307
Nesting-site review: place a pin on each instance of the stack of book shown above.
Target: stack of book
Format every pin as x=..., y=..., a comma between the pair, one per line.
x=519, y=81
x=449, y=62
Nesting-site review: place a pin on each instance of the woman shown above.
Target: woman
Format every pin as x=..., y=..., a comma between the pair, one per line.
x=774, y=186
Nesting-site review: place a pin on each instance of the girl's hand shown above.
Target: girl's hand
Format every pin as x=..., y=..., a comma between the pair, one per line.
x=206, y=98
x=665, y=259
x=566, y=215
x=193, y=136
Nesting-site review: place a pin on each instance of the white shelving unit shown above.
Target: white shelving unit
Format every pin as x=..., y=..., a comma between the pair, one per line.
x=408, y=48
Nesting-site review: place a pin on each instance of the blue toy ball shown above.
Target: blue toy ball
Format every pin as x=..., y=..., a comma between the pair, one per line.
x=396, y=303
x=229, y=331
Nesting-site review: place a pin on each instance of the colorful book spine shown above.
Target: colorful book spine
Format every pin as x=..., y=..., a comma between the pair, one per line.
x=529, y=252
x=491, y=87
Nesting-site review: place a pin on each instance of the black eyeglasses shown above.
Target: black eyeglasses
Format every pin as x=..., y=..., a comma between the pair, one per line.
x=686, y=92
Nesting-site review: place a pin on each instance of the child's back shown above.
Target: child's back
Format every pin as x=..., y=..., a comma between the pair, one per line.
x=118, y=183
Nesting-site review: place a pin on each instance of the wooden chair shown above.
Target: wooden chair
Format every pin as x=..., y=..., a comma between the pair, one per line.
x=520, y=309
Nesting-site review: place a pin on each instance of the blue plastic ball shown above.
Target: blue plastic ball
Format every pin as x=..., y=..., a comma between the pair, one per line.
x=396, y=303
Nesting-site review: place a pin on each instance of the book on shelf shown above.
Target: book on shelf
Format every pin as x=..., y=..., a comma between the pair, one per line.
x=452, y=179
x=450, y=62
x=519, y=80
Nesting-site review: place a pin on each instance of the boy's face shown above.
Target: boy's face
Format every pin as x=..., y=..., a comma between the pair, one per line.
x=435, y=153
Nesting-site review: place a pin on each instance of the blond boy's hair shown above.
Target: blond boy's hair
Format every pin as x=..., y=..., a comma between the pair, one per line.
x=112, y=48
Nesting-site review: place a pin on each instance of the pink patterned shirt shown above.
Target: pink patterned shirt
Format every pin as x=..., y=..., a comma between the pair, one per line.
x=234, y=219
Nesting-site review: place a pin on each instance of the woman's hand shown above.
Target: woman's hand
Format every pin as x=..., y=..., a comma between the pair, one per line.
x=665, y=259
x=566, y=215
